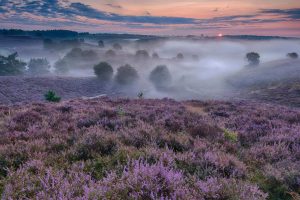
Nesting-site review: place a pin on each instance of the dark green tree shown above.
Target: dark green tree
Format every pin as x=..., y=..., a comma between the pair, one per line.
x=103, y=71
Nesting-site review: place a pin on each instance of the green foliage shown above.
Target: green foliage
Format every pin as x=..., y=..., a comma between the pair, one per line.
x=100, y=166
x=126, y=75
x=117, y=46
x=100, y=44
x=110, y=53
x=51, y=96
x=120, y=111
x=142, y=54
x=275, y=189
x=104, y=71
x=253, y=58
x=230, y=136
x=293, y=55
x=38, y=66
x=10, y=65
x=160, y=76
x=180, y=56
x=140, y=95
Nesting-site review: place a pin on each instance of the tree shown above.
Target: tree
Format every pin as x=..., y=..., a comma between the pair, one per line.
x=51, y=96
x=126, y=75
x=155, y=55
x=117, y=46
x=10, y=65
x=195, y=57
x=160, y=76
x=142, y=54
x=110, y=53
x=104, y=71
x=253, y=58
x=293, y=55
x=74, y=53
x=61, y=66
x=180, y=56
x=48, y=43
x=38, y=66
x=100, y=44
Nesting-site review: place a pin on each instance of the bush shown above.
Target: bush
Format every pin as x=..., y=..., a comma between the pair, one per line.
x=10, y=65
x=142, y=54
x=126, y=75
x=155, y=55
x=292, y=55
x=180, y=56
x=253, y=58
x=78, y=54
x=48, y=43
x=110, y=53
x=62, y=66
x=51, y=96
x=103, y=71
x=100, y=44
x=195, y=57
x=38, y=66
x=161, y=76
x=117, y=46
x=230, y=136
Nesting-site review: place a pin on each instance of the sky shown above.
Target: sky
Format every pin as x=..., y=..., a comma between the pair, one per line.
x=156, y=17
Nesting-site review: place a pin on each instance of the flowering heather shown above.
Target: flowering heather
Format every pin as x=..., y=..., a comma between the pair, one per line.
x=149, y=149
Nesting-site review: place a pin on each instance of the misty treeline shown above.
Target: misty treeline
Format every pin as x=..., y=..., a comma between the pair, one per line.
x=167, y=65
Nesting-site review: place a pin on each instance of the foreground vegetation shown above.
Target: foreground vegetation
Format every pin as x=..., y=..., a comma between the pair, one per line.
x=149, y=149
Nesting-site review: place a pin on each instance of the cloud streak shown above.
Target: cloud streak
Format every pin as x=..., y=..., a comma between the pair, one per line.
x=288, y=13
x=64, y=12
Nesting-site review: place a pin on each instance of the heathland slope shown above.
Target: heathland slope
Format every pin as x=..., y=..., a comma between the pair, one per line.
x=149, y=149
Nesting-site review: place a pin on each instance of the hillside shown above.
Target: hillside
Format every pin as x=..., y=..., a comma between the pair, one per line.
x=149, y=149
x=277, y=82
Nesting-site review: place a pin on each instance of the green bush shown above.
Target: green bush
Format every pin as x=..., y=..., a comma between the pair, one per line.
x=160, y=76
x=230, y=136
x=117, y=46
x=104, y=71
x=293, y=55
x=38, y=66
x=253, y=58
x=126, y=75
x=51, y=96
x=10, y=65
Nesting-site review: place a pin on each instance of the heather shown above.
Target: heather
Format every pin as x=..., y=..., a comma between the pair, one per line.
x=161, y=149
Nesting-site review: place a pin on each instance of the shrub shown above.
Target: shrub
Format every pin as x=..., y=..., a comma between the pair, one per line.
x=230, y=136
x=253, y=58
x=195, y=57
x=155, y=55
x=142, y=54
x=51, y=96
x=104, y=71
x=293, y=55
x=180, y=56
x=48, y=43
x=62, y=66
x=10, y=65
x=38, y=66
x=117, y=46
x=160, y=76
x=100, y=44
x=110, y=53
x=158, y=182
x=126, y=75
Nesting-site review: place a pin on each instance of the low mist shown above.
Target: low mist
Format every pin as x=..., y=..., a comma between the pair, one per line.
x=198, y=68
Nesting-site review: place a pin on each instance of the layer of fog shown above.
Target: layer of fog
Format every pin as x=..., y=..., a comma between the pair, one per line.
x=202, y=77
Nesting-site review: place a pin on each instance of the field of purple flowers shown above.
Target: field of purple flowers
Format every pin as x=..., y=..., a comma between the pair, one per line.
x=149, y=149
